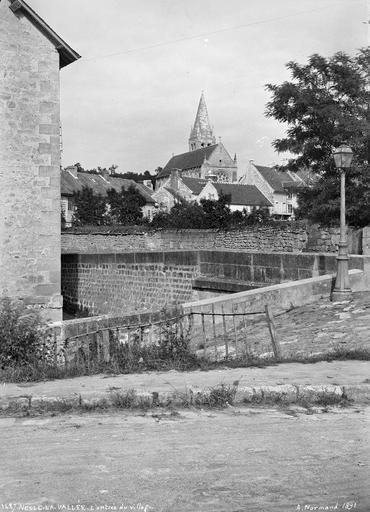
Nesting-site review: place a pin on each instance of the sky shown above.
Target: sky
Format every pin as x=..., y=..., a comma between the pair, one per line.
x=132, y=97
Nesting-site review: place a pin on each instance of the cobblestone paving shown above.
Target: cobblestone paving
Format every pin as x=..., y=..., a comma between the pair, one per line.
x=320, y=327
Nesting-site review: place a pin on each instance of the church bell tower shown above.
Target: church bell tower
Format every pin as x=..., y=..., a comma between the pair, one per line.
x=201, y=134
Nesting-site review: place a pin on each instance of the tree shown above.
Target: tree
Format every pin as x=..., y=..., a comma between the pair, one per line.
x=325, y=104
x=217, y=213
x=89, y=208
x=124, y=207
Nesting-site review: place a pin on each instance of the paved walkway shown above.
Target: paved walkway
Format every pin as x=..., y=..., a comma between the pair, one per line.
x=343, y=373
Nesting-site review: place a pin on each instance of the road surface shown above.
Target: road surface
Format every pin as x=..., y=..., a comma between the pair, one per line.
x=236, y=460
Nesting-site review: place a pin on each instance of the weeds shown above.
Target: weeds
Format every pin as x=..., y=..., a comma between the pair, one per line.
x=218, y=396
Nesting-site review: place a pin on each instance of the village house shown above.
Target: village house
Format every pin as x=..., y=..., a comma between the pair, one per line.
x=73, y=181
x=31, y=56
x=280, y=187
x=205, y=157
x=178, y=189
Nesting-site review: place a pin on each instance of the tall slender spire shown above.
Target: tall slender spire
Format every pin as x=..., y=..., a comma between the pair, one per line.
x=201, y=134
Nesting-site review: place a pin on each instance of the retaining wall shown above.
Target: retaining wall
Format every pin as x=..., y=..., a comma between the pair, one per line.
x=130, y=282
x=126, y=283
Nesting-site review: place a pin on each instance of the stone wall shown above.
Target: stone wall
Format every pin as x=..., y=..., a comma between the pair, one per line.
x=29, y=164
x=258, y=269
x=121, y=284
x=264, y=239
x=279, y=238
x=321, y=239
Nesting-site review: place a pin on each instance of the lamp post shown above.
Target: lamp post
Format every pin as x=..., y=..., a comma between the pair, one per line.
x=342, y=290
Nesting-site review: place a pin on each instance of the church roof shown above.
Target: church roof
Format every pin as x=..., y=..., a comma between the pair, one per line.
x=247, y=195
x=99, y=184
x=189, y=160
x=66, y=54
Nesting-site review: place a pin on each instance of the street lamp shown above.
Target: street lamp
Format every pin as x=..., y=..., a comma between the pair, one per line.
x=342, y=290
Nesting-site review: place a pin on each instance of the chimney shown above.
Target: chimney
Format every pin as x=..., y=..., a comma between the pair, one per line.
x=174, y=179
x=73, y=170
x=105, y=173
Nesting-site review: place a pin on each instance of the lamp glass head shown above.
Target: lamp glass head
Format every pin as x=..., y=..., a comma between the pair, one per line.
x=343, y=157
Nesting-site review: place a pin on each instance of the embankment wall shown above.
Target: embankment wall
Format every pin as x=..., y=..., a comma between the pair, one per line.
x=125, y=283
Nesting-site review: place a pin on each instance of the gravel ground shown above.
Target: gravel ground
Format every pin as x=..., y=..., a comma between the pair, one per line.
x=237, y=460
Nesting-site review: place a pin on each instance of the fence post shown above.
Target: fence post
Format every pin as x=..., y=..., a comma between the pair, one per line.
x=214, y=330
x=204, y=335
x=272, y=329
x=234, y=310
x=225, y=333
x=247, y=353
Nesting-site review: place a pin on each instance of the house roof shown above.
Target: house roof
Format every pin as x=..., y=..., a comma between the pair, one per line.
x=175, y=194
x=272, y=177
x=66, y=54
x=280, y=181
x=246, y=195
x=196, y=185
x=190, y=160
x=99, y=184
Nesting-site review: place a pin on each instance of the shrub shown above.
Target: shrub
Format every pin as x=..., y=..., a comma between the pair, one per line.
x=22, y=333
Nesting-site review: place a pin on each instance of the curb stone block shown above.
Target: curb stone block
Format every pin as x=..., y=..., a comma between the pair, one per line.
x=244, y=394
x=316, y=393
x=357, y=393
x=283, y=393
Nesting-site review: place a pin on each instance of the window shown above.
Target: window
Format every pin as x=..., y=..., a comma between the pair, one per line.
x=290, y=208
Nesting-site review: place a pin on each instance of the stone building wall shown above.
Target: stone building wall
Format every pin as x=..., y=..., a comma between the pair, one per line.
x=29, y=164
x=121, y=284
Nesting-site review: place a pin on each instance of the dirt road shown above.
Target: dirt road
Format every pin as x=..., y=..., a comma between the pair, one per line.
x=237, y=460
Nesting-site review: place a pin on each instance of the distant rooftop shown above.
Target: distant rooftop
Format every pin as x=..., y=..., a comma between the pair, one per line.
x=99, y=184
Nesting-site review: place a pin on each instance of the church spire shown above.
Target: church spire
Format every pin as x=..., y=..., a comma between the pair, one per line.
x=201, y=134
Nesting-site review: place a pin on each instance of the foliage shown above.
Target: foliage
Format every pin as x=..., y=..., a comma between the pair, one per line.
x=325, y=104
x=22, y=333
x=209, y=214
x=171, y=351
x=124, y=207
x=89, y=208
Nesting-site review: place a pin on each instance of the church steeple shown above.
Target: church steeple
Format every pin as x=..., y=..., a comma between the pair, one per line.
x=201, y=134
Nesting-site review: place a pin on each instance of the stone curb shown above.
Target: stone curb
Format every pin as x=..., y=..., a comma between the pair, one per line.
x=259, y=395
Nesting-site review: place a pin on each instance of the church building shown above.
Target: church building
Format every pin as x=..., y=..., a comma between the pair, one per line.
x=206, y=159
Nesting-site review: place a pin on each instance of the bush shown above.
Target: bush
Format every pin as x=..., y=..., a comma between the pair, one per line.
x=22, y=333
x=209, y=214
x=172, y=351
